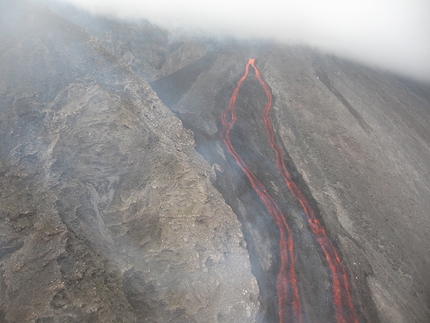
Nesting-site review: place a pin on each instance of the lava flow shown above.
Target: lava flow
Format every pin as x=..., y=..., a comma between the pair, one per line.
x=341, y=288
x=286, y=283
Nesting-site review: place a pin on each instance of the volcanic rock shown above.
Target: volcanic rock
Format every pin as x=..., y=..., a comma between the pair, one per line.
x=108, y=214
x=116, y=209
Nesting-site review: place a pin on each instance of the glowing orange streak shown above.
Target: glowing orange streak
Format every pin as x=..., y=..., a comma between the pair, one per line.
x=286, y=283
x=341, y=290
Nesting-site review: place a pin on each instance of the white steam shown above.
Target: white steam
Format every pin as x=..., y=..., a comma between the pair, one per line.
x=390, y=34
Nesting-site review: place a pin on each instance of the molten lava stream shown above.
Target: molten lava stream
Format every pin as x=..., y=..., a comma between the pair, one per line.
x=286, y=283
x=341, y=289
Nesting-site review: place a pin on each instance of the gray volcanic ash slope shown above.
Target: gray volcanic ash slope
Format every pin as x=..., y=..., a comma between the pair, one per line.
x=113, y=210
x=107, y=212
x=358, y=143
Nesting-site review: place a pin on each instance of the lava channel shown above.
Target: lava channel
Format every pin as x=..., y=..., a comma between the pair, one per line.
x=286, y=284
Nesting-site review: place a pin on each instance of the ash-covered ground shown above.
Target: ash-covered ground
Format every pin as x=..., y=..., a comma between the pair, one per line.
x=115, y=209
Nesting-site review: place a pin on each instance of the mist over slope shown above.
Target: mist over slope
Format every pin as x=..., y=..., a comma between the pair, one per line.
x=104, y=200
x=391, y=35
x=115, y=209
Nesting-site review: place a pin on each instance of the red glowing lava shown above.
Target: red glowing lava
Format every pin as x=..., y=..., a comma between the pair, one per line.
x=288, y=299
x=341, y=288
x=286, y=283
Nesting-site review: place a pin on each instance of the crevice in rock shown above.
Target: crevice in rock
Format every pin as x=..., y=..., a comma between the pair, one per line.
x=260, y=233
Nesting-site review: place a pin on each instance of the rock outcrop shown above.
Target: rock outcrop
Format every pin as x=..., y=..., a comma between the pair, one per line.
x=107, y=212
x=120, y=203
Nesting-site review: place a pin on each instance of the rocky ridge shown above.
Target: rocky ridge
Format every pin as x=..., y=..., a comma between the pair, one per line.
x=107, y=212
x=134, y=206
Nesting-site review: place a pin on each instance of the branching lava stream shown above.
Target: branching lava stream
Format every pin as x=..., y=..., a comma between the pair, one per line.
x=288, y=295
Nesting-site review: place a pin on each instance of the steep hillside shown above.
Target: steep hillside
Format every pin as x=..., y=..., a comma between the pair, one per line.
x=116, y=209
x=107, y=212
x=357, y=143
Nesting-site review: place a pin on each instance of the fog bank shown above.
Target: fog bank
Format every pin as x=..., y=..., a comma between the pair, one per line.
x=389, y=34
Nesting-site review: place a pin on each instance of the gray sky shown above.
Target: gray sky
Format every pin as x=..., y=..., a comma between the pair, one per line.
x=390, y=34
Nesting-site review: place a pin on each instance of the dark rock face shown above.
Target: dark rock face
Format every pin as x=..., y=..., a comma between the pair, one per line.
x=113, y=210
x=357, y=142
x=107, y=212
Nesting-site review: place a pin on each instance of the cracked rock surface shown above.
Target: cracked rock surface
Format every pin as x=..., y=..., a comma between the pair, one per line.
x=107, y=212
x=115, y=209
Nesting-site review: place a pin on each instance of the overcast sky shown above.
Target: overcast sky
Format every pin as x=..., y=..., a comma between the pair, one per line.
x=391, y=34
